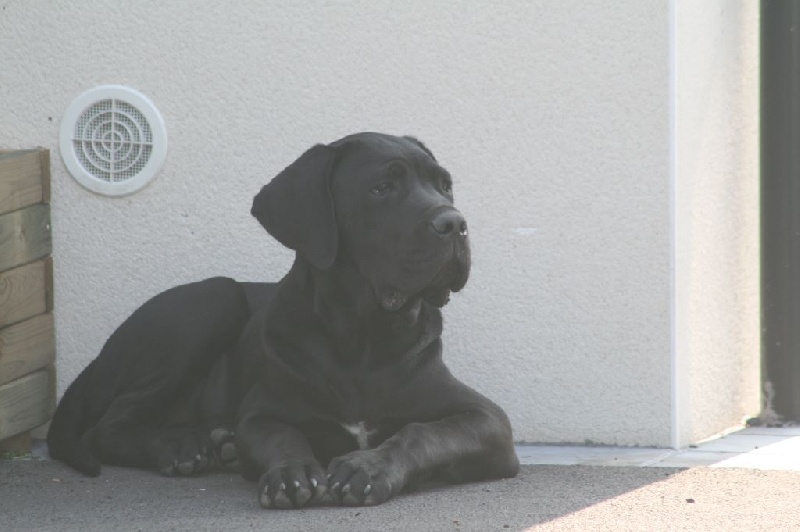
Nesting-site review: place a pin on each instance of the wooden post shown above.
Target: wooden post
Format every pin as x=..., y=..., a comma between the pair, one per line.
x=27, y=339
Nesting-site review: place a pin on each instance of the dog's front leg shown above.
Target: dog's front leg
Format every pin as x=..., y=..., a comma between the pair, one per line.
x=469, y=446
x=290, y=476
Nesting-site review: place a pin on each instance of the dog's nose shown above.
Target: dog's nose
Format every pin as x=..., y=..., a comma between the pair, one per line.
x=449, y=222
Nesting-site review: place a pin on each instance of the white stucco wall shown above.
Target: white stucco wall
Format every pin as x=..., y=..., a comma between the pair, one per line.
x=553, y=116
x=717, y=323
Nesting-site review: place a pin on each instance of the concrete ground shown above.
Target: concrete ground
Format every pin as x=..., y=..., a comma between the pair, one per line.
x=42, y=494
x=753, y=448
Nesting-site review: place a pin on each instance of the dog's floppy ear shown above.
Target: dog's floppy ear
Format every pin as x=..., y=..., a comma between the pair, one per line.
x=296, y=207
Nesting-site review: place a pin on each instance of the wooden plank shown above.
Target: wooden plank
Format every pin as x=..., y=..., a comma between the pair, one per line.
x=26, y=346
x=24, y=236
x=21, y=182
x=24, y=292
x=44, y=165
x=15, y=445
x=25, y=403
x=48, y=284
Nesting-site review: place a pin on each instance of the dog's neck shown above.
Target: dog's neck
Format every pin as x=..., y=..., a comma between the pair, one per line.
x=347, y=308
x=346, y=297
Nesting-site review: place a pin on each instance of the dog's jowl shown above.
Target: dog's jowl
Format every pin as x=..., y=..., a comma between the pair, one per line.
x=327, y=385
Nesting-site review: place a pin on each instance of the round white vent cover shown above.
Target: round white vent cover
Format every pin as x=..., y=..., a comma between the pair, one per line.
x=113, y=140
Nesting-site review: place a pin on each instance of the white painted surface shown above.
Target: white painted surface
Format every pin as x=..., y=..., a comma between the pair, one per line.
x=553, y=117
x=717, y=318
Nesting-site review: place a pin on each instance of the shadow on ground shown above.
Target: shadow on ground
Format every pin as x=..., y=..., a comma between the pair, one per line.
x=45, y=495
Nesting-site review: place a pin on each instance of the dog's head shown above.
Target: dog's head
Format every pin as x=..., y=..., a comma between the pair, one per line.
x=379, y=203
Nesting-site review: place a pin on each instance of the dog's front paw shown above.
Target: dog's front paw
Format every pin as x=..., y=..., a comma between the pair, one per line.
x=363, y=478
x=292, y=485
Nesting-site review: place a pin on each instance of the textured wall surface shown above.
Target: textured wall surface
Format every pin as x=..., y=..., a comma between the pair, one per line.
x=717, y=217
x=553, y=116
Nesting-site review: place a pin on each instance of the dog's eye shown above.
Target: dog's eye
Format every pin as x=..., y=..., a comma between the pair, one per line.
x=383, y=189
x=447, y=185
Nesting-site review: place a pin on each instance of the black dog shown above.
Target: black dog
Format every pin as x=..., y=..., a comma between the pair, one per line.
x=332, y=378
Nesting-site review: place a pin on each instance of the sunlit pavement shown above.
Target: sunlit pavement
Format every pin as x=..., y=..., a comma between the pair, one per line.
x=754, y=448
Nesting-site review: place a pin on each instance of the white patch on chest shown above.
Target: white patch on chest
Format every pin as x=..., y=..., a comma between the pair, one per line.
x=359, y=430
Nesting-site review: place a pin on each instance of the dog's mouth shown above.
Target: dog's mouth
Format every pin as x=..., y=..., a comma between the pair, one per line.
x=436, y=285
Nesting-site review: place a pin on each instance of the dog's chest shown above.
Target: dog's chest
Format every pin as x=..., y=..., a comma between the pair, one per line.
x=366, y=409
x=360, y=408
x=362, y=398
x=360, y=432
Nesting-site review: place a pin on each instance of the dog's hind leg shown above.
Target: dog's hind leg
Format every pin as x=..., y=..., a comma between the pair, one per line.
x=175, y=430
x=132, y=433
x=139, y=404
x=183, y=451
x=217, y=410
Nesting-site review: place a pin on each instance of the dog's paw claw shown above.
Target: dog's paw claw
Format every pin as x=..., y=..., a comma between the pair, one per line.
x=363, y=478
x=292, y=485
x=264, y=499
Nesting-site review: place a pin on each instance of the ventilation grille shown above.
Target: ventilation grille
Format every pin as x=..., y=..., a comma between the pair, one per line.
x=113, y=140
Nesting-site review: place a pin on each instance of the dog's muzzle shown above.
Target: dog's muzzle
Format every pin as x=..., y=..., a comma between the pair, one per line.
x=449, y=223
